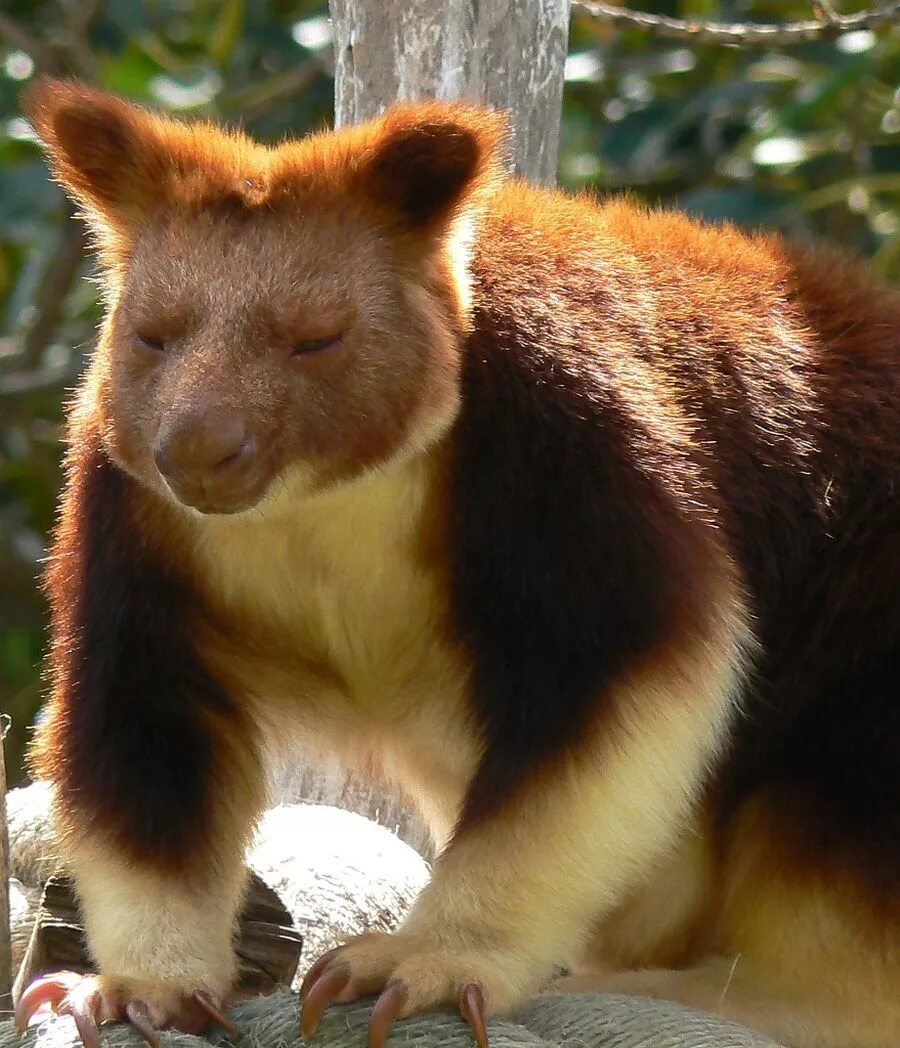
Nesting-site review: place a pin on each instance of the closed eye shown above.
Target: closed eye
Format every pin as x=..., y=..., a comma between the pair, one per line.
x=149, y=342
x=316, y=345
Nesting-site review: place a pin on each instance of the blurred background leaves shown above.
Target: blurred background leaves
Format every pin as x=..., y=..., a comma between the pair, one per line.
x=805, y=140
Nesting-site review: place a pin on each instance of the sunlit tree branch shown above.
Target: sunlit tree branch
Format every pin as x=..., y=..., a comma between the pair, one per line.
x=827, y=24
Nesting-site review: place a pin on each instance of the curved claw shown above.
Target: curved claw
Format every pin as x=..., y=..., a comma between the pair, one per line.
x=471, y=1007
x=42, y=991
x=388, y=1006
x=313, y=974
x=319, y=996
x=84, y=1013
x=209, y=1005
x=136, y=1013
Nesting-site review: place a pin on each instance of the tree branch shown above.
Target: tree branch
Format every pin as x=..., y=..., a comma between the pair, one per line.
x=17, y=388
x=56, y=283
x=746, y=34
x=65, y=50
x=250, y=102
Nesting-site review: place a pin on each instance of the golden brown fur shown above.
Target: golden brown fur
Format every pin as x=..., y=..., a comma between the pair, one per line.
x=576, y=522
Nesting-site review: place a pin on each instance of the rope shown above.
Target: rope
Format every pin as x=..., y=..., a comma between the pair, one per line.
x=577, y=1021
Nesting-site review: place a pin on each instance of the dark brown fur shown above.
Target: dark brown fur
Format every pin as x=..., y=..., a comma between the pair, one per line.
x=138, y=740
x=790, y=449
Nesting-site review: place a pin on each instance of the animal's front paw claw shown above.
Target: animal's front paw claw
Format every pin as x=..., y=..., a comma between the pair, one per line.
x=387, y=1008
x=51, y=989
x=472, y=1009
x=325, y=987
x=411, y=980
x=85, y=1010
x=316, y=970
x=138, y=1015
x=210, y=1004
x=95, y=999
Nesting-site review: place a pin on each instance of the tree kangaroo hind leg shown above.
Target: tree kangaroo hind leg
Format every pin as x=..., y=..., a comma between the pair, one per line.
x=792, y=939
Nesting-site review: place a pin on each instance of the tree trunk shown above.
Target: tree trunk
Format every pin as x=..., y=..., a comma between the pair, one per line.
x=508, y=53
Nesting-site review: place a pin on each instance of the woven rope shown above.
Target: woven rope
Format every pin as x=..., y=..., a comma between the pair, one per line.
x=578, y=1021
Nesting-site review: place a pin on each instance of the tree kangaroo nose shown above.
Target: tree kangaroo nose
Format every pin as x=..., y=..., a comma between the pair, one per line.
x=209, y=447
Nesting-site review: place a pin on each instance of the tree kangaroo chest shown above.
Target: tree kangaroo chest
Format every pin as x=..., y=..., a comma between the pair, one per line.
x=340, y=628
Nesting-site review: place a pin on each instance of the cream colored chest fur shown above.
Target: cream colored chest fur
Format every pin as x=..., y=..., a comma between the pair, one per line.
x=353, y=625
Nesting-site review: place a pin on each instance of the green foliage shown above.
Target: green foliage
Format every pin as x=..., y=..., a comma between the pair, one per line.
x=805, y=139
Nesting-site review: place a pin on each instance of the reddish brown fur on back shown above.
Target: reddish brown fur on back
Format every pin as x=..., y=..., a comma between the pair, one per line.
x=795, y=431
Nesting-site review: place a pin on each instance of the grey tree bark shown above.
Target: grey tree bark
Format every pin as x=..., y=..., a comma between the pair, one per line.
x=508, y=53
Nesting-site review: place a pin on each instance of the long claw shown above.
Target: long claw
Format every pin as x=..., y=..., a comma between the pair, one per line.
x=209, y=1005
x=38, y=993
x=471, y=1007
x=319, y=996
x=316, y=970
x=136, y=1013
x=84, y=1014
x=388, y=1006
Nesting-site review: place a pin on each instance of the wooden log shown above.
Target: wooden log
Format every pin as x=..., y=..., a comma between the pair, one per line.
x=317, y=780
x=508, y=53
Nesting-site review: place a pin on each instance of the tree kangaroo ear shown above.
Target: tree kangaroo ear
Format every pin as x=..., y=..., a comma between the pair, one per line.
x=428, y=159
x=103, y=150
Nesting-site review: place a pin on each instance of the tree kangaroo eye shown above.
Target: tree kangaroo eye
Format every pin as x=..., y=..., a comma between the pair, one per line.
x=316, y=345
x=149, y=342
